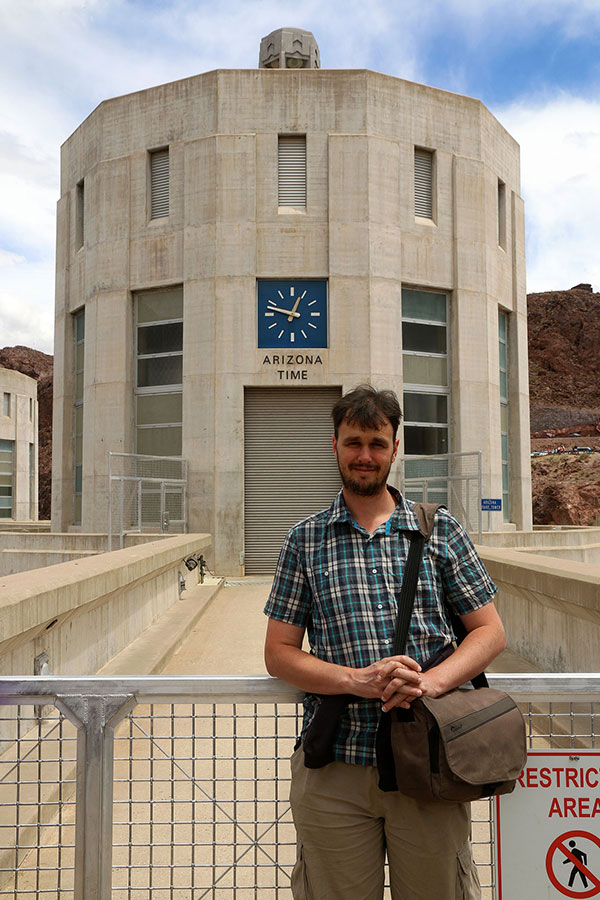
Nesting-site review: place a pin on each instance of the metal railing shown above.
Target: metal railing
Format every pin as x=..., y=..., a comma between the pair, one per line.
x=454, y=479
x=177, y=787
x=145, y=493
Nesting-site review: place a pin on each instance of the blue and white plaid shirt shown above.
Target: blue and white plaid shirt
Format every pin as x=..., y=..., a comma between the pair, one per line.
x=342, y=583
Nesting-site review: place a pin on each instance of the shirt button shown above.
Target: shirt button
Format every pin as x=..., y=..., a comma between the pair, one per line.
x=374, y=571
x=326, y=573
x=386, y=641
x=380, y=606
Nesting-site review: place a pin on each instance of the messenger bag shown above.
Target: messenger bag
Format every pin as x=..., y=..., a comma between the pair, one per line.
x=467, y=744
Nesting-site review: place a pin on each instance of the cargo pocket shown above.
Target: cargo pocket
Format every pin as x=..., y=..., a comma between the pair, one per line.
x=467, y=879
x=300, y=886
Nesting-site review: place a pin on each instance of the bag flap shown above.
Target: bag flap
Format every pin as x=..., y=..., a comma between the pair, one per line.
x=483, y=734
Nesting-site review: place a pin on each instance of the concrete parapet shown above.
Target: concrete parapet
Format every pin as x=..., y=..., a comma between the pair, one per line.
x=26, y=526
x=22, y=551
x=82, y=613
x=550, y=608
x=550, y=536
x=13, y=561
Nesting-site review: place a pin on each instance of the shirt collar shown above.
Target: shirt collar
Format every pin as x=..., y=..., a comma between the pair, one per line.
x=402, y=519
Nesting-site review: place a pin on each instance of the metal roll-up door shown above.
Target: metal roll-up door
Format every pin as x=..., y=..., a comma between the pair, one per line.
x=290, y=470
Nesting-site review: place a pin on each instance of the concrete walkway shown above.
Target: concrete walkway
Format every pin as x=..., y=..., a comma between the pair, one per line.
x=228, y=637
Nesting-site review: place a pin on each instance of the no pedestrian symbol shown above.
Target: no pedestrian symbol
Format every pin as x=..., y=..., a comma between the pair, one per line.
x=573, y=864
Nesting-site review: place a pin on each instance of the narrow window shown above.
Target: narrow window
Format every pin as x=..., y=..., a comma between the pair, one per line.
x=426, y=398
x=32, y=491
x=79, y=215
x=159, y=184
x=423, y=183
x=6, y=479
x=503, y=356
x=291, y=171
x=159, y=338
x=501, y=214
x=6, y=405
x=79, y=358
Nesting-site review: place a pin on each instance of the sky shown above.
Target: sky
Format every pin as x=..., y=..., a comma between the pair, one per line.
x=534, y=63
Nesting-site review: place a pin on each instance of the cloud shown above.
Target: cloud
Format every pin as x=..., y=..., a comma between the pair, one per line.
x=60, y=58
x=560, y=174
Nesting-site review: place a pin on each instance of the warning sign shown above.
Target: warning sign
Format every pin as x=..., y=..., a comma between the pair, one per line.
x=548, y=830
x=572, y=850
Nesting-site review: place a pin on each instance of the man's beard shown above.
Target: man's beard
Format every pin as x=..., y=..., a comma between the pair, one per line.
x=364, y=489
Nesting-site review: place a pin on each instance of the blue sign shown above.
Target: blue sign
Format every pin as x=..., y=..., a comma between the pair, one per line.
x=491, y=504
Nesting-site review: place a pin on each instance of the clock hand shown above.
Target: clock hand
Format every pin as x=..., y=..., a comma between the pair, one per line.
x=290, y=313
x=295, y=307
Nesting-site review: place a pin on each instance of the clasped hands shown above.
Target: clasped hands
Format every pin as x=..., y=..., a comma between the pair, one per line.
x=395, y=680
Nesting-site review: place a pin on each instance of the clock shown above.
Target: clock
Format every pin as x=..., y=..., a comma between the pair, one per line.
x=292, y=314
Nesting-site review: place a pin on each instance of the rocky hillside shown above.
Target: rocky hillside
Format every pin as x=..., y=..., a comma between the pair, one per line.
x=37, y=365
x=564, y=385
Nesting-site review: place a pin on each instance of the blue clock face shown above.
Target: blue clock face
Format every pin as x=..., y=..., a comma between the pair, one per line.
x=292, y=314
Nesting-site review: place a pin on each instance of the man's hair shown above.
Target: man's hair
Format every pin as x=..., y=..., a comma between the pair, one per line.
x=368, y=408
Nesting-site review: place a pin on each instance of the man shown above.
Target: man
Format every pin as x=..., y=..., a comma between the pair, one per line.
x=338, y=579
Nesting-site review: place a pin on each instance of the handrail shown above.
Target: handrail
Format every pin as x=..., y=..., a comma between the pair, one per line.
x=18, y=689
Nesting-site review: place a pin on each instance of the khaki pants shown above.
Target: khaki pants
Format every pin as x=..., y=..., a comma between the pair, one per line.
x=346, y=825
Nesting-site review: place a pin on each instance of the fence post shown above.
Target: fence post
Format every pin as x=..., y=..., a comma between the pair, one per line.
x=95, y=718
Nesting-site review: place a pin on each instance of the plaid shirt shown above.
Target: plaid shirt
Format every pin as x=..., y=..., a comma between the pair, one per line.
x=342, y=583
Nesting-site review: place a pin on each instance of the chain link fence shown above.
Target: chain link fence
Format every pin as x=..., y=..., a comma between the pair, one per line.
x=146, y=493
x=453, y=479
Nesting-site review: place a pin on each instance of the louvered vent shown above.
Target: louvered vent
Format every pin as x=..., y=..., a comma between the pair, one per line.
x=159, y=184
x=292, y=171
x=424, y=184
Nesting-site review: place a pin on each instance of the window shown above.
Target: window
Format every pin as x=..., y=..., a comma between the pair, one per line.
x=79, y=215
x=291, y=171
x=31, y=409
x=503, y=354
x=159, y=377
x=79, y=358
x=423, y=183
x=6, y=479
x=426, y=397
x=501, y=214
x=159, y=184
x=6, y=404
x=32, y=497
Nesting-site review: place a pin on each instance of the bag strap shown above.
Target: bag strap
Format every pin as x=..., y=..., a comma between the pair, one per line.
x=425, y=513
x=408, y=590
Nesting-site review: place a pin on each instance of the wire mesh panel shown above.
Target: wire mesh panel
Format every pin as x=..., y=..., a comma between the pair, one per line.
x=37, y=804
x=201, y=802
x=453, y=479
x=147, y=493
x=198, y=783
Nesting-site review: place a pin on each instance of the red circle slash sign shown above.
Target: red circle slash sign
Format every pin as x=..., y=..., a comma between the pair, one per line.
x=560, y=846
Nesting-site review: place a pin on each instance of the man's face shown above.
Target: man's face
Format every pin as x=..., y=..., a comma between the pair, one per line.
x=364, y=457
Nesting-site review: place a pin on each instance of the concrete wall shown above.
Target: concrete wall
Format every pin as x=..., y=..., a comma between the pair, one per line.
x=550, y=608
x=22, y=428
x=576, y=543
x=225, y=230
x=23, y=551
x=82, y=613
